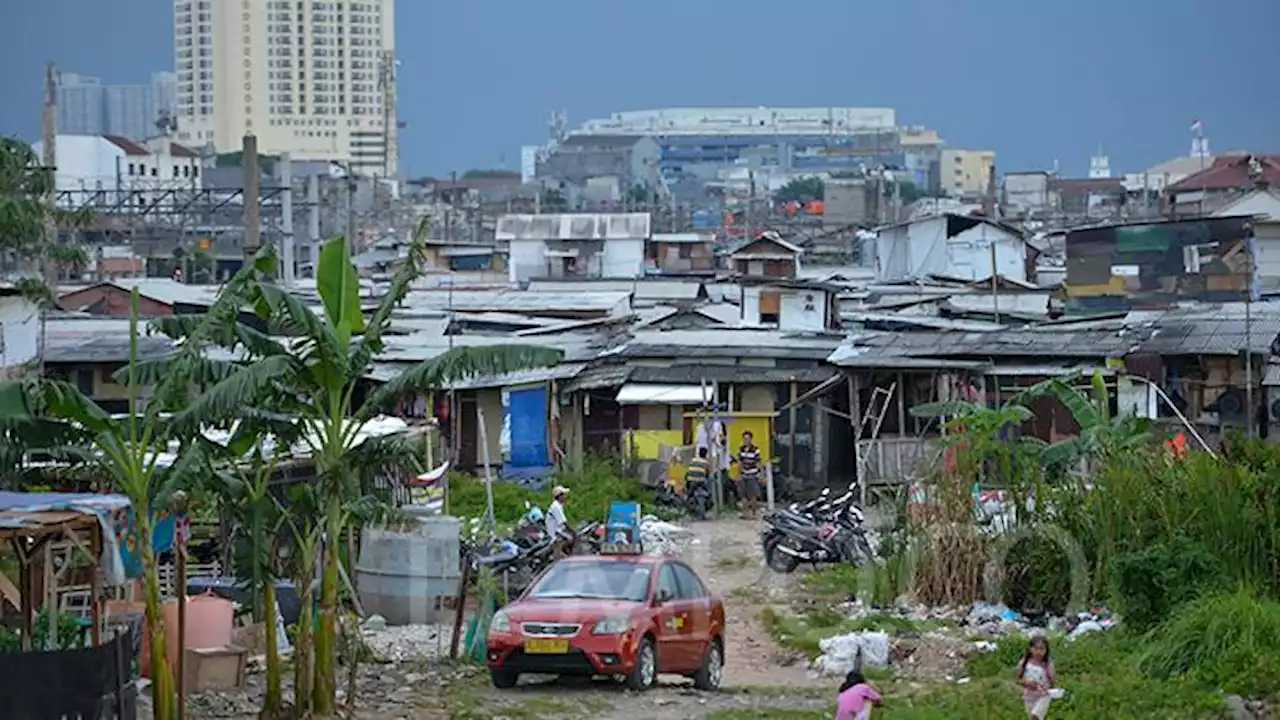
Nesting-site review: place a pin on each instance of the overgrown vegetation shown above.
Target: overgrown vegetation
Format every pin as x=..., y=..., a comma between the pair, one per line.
x=590, y=492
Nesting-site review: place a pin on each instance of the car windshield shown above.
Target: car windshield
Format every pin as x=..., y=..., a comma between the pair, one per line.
x=602, y=580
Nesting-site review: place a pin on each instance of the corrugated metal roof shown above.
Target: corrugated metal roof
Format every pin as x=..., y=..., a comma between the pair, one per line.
x=103, y=345
x=601, y=376
x=640, y=289
x=725, y=342
x=694, y=374
x=563, y=371
x=514, y=301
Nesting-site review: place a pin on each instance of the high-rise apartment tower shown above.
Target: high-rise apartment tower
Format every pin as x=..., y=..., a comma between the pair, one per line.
x=314, y=78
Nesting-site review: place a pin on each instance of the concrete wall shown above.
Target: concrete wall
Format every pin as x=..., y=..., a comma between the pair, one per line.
x=19, y=331
x=921, y=248
x=798, y=309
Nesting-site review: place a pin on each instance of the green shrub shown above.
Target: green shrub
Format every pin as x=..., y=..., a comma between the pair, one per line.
x=1228, y=641
x=1149, y=583
x=590, y=493
x=1037, y=576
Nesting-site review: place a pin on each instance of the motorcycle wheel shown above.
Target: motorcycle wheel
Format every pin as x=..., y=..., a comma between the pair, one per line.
x=777, y=560
x=700, y=507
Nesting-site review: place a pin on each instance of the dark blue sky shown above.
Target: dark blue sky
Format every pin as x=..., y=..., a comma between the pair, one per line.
x=1034, y=80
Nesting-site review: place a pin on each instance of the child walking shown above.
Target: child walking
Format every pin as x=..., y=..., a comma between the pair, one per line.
x=856, y=698
x=1035, y=675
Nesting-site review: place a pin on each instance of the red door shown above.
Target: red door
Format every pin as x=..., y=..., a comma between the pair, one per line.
x=673, y=624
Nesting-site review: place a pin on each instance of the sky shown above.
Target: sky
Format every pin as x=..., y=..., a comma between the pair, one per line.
x=1038, y=82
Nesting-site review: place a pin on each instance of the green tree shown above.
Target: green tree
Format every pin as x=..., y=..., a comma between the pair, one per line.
x=130, y=451
x=312, y=380
x=802, y=190
x=24, y=212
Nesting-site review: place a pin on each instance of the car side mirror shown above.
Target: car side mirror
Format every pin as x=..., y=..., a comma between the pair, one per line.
x=665, y=596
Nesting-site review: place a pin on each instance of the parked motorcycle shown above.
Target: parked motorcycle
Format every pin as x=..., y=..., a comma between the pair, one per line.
x=819, y=531
x=696, y=499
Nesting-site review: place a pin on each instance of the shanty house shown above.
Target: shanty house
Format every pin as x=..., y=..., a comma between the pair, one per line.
x=596, y=246
x=1263, y=207
x=962, y=247
x=790, y=305
x=766, y=256
x=156, y=297
x=677, y=253
x=88, y=351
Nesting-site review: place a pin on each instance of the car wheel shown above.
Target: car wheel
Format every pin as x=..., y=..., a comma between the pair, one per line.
x=645, y=672
x=503, y=678
x=777, y=560
x=712, y=670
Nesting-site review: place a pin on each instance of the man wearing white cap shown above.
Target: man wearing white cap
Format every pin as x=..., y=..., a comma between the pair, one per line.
x=556, y=522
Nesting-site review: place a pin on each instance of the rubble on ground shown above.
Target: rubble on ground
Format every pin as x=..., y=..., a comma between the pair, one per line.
x=988, y=620
x=664, y=538
x=402, y=643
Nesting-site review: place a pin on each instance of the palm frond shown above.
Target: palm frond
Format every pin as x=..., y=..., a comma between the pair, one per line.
x=226, y=400
x=295, y=318
x=454, y=365
x=371, y=344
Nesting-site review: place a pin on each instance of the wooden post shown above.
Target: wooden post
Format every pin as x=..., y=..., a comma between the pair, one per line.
x=180, y=557
x=458, y=613
x=50, y=596
x=855, y=415
x=95, y=584
x=791, y=456
x=25, y=582
x=179, y=505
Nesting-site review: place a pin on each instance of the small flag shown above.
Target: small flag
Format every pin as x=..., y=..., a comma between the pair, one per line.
x=1197, y=126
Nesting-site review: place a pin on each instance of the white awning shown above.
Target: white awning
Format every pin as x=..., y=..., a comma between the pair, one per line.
x=637, y=394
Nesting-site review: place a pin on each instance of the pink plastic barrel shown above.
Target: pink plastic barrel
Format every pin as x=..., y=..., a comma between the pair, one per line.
x=209, y=621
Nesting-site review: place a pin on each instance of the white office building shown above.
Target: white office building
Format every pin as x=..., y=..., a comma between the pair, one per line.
x=314, y=78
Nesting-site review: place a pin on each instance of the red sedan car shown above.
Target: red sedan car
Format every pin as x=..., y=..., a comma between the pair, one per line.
x=625, y=615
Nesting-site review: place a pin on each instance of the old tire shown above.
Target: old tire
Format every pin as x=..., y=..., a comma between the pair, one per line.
x=777, y=560
x=503, y=678
x=711, y=673
x=645, y=673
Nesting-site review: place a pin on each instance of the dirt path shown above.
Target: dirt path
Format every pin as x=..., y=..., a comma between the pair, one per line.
x=758, y=673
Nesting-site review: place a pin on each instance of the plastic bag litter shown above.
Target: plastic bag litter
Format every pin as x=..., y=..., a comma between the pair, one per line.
x=840, y=653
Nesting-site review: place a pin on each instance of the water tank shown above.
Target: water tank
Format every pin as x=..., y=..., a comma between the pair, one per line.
x=402, y=574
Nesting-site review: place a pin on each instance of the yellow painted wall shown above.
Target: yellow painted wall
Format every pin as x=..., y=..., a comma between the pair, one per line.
x=644, y=444
x=760, y=425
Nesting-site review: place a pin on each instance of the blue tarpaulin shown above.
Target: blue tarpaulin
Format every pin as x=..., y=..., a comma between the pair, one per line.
x=527, y=418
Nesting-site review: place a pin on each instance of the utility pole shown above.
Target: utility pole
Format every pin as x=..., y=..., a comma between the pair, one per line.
x=49, y=133
x=351, y=210
x=287, y=252
x=252, y=197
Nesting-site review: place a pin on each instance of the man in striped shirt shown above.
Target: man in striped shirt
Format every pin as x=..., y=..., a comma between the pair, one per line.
x=749, y=474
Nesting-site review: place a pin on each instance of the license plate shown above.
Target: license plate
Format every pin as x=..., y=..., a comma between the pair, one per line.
x=535, y=646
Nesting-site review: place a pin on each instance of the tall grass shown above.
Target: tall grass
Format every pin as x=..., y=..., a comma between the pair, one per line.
x=590, y=492
x=1229, y=640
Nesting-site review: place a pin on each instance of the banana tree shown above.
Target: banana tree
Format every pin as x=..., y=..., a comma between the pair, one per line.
x=258, y=519
x=1101, y=432
x=312, y=378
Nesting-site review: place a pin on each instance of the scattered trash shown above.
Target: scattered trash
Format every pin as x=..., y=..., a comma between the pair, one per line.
x=402, y=643
x=840, y=653
x=664, y=538
x=375, y=623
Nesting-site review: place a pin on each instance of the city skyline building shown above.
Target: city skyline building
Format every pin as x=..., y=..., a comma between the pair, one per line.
x=88, y=107
x=312, y=78
x=698, y=143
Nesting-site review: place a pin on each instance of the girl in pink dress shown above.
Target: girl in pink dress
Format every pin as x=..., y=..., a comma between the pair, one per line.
x=856, y=698
x=1035, y=675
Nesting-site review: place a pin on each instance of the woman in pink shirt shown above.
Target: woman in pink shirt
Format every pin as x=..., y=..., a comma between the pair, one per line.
x=856, y=698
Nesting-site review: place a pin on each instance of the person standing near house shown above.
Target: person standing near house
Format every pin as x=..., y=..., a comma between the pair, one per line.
x=749, y=470
x=557, y=525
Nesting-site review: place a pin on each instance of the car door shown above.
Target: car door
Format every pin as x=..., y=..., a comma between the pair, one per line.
x=696, y=604
x=673, y=653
